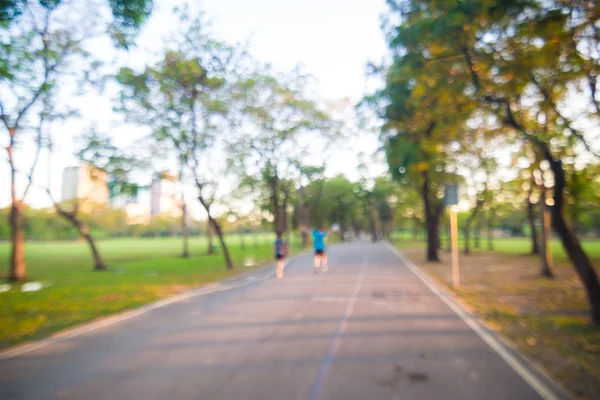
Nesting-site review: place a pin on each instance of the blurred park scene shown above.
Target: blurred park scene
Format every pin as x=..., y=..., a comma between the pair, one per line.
x=148, y=152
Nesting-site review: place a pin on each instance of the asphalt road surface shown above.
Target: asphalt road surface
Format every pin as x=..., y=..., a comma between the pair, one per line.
x=368, y=328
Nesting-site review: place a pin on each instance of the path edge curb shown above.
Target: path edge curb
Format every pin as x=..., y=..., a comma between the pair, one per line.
x=544, y=385
x=103, y=322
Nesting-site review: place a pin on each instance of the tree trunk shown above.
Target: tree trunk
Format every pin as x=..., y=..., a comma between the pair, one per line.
x=255, y=238
x=373, y=231
x=575, y=207
x=478, y=226
x=209, y=236
x=98, y=262
x=219, y=233
x=535, y=248
x=470, y=220
x=275, y=204
x=570, y=242
x=438, y=238
x=431, y=222
x=302, y=215
x=185, y=232
x=317, y=199
x=467, y=230
x=284, y=215
x=217, y=229
x=18, y=267
x=546, y=235
x=85, y=233
x=369, y=211
x=243, y=239
x=490, y=228
x=356, y=230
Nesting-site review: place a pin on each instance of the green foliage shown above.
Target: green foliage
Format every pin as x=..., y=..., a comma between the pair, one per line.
x=282, y=127
x=131, y=14
x=10, y=9
x=128, y=15
x=185, y=96
x=331, y=200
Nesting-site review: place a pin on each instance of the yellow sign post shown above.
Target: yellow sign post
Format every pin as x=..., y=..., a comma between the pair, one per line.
x=451, y=200
x=454, y=235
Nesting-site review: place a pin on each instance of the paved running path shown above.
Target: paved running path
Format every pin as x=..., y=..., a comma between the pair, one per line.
x=367, y=329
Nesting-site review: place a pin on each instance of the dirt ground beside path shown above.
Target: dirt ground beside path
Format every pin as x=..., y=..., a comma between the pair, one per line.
x=547, y=319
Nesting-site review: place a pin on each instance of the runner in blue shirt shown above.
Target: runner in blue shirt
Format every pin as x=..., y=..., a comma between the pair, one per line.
x=319, y=245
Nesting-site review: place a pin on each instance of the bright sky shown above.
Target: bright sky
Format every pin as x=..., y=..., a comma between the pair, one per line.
x=333, y=40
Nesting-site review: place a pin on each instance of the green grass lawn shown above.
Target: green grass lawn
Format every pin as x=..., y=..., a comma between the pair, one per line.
x=514, y=246
x=140, y=271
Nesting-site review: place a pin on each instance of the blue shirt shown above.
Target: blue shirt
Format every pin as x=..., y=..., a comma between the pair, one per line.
x=319, y=239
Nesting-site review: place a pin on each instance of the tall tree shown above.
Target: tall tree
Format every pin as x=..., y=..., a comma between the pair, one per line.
x=491, y=220
x=422, y=117
x=535, y=243
x=383, y=191
x=128, y=15
x=37, y=49
x=101, y=160
x=308, y=202
x=513, y=51
x=545, y=236
x=479, y=203
x=185, y=98
x=281, y=124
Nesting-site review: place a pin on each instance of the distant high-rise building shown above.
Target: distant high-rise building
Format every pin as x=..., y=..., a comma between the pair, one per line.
x=85, y=183
x=163, y=195
x=160, y=198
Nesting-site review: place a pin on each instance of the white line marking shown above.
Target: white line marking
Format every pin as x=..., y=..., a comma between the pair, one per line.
x=540, y=387
x=318, y=385
x=115, y=319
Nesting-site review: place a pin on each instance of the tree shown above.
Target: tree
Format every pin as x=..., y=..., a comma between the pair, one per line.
x=513, y=51
x=38, y=46
x=308, y=202
x=331, y=201
x=383, y=194
x=535, y=243
x=479, y=175
x=109, y=165
x=491, y=220
x=210, y=249
x=184, y=98
x=480, y=201
x=422, y=117
x=128, y=15
x=281, y=126
x=546, y=235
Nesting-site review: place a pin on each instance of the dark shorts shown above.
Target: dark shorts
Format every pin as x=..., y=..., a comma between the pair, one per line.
x=319, y=252
x=279, y=256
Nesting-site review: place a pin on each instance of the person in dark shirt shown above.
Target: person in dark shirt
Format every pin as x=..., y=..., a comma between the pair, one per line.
x=280, y=253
